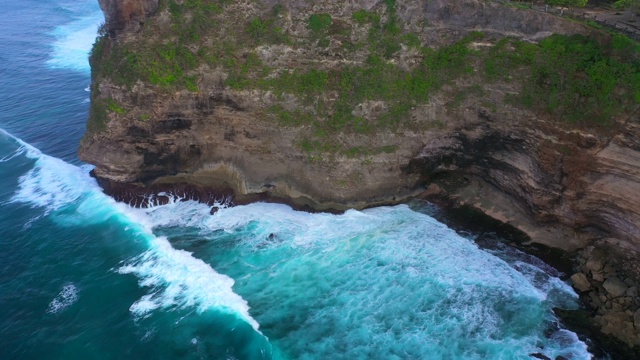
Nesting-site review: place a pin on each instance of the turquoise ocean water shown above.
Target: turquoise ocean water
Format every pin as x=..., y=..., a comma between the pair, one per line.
x=85, y=277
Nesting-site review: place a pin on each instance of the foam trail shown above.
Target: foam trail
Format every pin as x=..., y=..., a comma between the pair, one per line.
x=75, y=39
x=67, y=297
x=73, y=198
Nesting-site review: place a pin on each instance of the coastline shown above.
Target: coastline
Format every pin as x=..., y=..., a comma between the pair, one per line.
x=492, y=232
x=489, y=234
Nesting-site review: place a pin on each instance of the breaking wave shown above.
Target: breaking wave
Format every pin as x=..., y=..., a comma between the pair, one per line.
x=71, y=197
x=73, y=40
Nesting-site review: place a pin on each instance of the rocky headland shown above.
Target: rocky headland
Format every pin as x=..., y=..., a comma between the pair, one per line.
x=328, y=105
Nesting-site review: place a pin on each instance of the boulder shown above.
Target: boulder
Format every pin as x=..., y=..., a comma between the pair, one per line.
x=594, y=265
x=597, y=276
x=581, y=282
x=615, y=287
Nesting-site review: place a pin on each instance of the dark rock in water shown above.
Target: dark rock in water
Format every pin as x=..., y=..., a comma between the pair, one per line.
x=214, y=210
x=138, y=195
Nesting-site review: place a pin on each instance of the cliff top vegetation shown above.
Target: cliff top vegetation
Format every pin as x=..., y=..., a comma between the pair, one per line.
x=363, y=57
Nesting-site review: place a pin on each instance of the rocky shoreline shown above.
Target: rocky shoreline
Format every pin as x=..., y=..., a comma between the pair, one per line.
x=605, y=278
x=609, y=315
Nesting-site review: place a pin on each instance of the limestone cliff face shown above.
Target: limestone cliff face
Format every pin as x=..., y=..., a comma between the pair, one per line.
x=253, y=99
x=218, y=135
x=542, y=174
x=215, y=141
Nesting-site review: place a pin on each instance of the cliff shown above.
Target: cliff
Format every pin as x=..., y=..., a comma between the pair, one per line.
x=339, y=104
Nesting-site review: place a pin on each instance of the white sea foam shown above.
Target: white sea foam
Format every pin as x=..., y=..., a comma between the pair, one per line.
x=53, y=183
x=180, y=280
x=381, y=283
x=74, y=40
x=23, y=147
x=67, y=297
x=73, y=198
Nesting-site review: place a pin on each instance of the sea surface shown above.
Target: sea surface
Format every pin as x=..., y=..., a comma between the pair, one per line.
x=85, y=277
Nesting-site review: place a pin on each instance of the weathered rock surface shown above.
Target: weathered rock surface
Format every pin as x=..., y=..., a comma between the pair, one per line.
x=564, y=187
x=126, y=14
x=615, y=288
x=214, y=141
x=580, y=282
x=615, y=299
x=491, y=16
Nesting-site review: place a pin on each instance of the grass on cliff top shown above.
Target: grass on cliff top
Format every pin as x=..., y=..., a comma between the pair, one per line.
x=569, y=78
x=575, y=79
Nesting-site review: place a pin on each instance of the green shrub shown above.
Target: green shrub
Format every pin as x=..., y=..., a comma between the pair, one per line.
x=291, y=118
x=391, y=6
x=578, y=80
x=258, y=28
x=266, y=31
x=319, y=22
x=301, y=84
x=366, y=17
x=411, y=40
x=113, y=106
x=504, y=57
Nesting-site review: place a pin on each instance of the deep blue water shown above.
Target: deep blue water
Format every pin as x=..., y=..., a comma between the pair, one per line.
x=84, y=277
